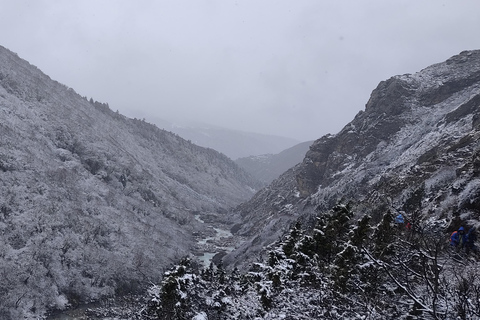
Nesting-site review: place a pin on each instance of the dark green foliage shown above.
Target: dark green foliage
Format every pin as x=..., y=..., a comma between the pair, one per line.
x=322, y=238
x=344, y=267
x=171, y=300
x=276, y=280
x=305, y=250
x=383, y=236
x=371, y=280
x=346, y=272
x=331, y=232
x=291, y=241
x=93, y=165
x=220, y=274
x=378, y=273
x=361, y=232
x=274, y=257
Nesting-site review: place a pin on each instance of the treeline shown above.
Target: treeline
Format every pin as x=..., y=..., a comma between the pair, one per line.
x=342, y=269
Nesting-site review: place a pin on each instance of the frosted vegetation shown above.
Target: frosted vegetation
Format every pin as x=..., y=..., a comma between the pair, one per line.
x=415, y=148
x=93, y=204
x=341, y=269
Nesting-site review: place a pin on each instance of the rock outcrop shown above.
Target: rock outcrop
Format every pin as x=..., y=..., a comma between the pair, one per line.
x=414, y=148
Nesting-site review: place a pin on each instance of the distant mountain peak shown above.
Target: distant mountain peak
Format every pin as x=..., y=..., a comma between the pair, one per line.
x=233, y=143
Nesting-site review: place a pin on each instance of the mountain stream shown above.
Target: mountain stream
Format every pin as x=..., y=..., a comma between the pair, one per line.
x=218, y=241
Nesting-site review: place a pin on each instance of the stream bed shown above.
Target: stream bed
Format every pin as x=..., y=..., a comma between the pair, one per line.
x=216, y=240
x=218, y=243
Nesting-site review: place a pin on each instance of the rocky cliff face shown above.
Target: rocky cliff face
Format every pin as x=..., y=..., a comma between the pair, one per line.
x=93, y=203
x=414, y=148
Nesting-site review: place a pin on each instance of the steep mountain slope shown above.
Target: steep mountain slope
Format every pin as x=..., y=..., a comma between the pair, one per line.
x=268, y=167
x=93, y=203
x=415, y=148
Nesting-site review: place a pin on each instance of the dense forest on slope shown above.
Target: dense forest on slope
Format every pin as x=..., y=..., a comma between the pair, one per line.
x=94, y=204
x=342, y=269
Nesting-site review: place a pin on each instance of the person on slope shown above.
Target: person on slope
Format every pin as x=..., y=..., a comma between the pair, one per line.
x=399, y=221
x=457, y=239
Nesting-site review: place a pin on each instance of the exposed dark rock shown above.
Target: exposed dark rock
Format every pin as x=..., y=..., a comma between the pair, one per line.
x=414, y=148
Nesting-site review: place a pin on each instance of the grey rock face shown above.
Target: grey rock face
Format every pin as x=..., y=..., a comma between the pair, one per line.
x=415, y=147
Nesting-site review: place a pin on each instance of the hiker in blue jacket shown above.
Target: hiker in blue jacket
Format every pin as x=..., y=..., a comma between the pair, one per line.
x=457, y=239
x=399, y=221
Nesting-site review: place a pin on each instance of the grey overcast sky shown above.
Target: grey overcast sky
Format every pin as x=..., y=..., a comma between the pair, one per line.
x=295, y=68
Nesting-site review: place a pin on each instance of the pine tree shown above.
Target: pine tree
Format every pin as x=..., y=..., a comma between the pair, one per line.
x=361, y=232
x=344, y=268
x=384, y=236
x=291, y=241
x=172, y=299
x=331, y=231
x=350, y=256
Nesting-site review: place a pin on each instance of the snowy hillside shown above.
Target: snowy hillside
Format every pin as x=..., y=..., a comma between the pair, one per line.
x=415, y=148
x=324, y=239
x=92, y=203
x=95, y=205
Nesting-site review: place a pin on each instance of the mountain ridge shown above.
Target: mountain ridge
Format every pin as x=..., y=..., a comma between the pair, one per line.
x=363, y=227
x=92, y=203
x=405, y=151
x=233, y=143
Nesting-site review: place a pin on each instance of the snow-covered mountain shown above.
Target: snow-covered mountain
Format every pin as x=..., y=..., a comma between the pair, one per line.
x=93, y=203
x=324, y=241
x=268, y=167
x=414, y=148
x=233, y=143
